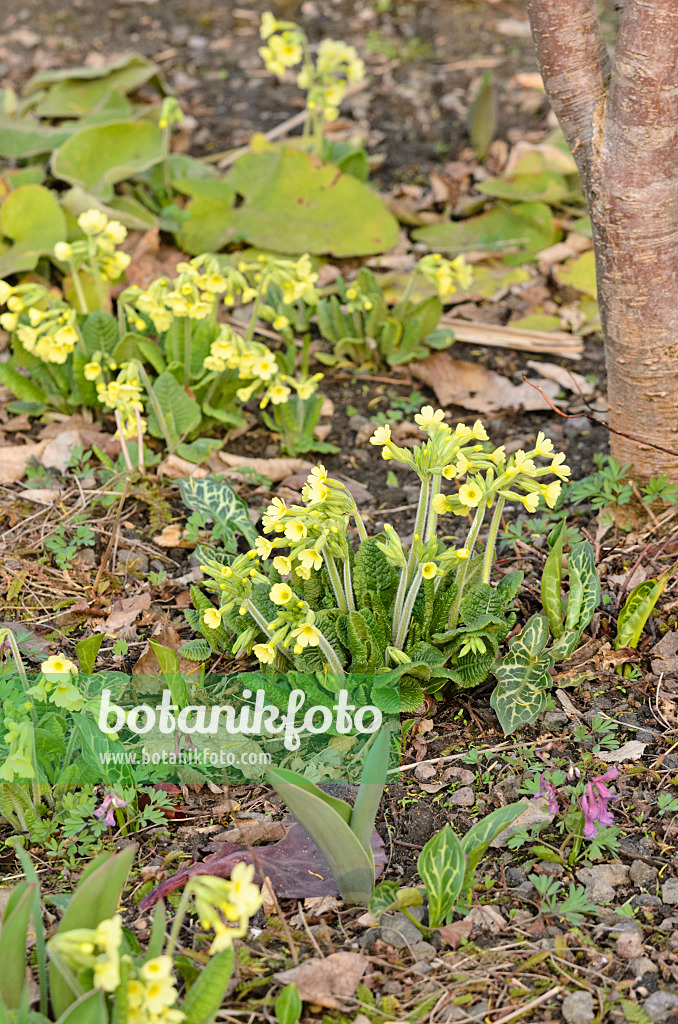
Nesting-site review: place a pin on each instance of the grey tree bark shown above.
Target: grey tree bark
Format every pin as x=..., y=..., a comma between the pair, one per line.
x=620, y=119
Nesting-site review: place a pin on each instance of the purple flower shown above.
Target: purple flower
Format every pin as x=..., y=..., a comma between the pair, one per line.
x=573, y=773
x=547, y=789
x=594, y=801
x=108, y=805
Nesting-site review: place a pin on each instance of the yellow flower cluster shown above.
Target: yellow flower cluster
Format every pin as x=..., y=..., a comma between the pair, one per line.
x=336, y=66
x=45, y=326
x=151, y=992
x=226, y=905
x=98, y=247
x=489, y=475
x=18, y=760
x=57, y=684
x=121, y=394
x=446, y=275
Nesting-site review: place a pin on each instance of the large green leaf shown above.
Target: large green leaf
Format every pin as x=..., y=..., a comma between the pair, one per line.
x=348, y=861
x=74, y=92
x=584, y=580
x=442, y=866
x=293, y=204
x=546, y=188
x=371, y=789
x=32, y=219
x=637, y=610
x=216, y=499
x=13, y=939
x=98, y=157
x=209, y=227
x=477, y=840
x=22, y=137
x=519, y=231
x=523, y=677
x=551, y=579
x=181, y=413
x=90, y=1008
x=206, y=994
x=95, y=899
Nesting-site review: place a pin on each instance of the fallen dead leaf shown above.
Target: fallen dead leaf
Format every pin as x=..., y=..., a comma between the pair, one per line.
x=126, y=610
x=176, y=468
x=275, y=469
x=58, y=451
x=328, y=981
x=171, y=536
x=167, y=636
x=270, y=904
x=486, y=919
x=454, y=934
x=41, y=495
x=476, y=388
x=251, y=832
x=15, y=458
x=629, y=751
x=561, y=375
x=319, y=905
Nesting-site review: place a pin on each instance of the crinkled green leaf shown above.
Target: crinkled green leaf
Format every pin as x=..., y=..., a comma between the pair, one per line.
x=98, y=157
x=181, y=412
x=294, y=204
x=33, y=221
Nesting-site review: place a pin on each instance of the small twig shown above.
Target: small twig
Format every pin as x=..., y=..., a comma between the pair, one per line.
x=314, y=941
x=530, y=1006
x=600, y=423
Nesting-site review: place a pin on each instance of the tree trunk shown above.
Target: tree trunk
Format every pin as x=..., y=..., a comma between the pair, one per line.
x=620, y=120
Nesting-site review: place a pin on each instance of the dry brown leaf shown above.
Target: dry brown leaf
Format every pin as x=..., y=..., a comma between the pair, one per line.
x=275, y=469
x=89, y=433
x=316, y=906
x=329, y=981
x=476, y=388
x=632, y=750
x=252, y=832
x=126, y=610
x=270, y=904
x=167, y=636
x=454, y=934
x=561, y=375
x=41, y=495
x=175, y=468
x=58, y=451
x=14, y=459
x=171, y=536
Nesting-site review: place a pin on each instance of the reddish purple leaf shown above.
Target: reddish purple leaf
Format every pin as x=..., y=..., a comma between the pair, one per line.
x=294, y=865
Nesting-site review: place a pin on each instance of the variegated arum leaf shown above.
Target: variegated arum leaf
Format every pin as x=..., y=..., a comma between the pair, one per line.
x=442, y=867
x=551, y=580
x=584, y=595
x=217, y=500
x=388, y=896
x=637, y=610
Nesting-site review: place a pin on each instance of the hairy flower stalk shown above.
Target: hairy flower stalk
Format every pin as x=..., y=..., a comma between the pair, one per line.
x=488, y=558
x=463, y=568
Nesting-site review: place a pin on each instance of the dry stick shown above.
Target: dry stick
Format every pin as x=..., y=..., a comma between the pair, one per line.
x=114, y=534
x=612, y=430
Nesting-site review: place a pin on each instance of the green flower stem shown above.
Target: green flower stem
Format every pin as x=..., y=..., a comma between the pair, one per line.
x=463, y=568
x=422, y=928
x=123, y=441
x=188, y=341
x=140, y=440
x=261, y=622
x=348, y=585
x=401, y=634
x=331, y=656
x=263, y=285
x=173, y=339
x=8, y=635
x=362, y=532
x=492, y=540
x=335, y=580
x=432, y=516
x=407, y=572
x=78, y=289
x=157, y=408
x=95, y=271
x=178, y=919
x=401, y=306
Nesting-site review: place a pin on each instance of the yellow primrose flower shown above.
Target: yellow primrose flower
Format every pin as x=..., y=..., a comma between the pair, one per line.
x=543, y=445
x=525, y=465
x=157, y=969
x=428, y=418
x=382, y=435
x=282, y=564
x=558, y=466
x=212, y=618
x=280, y=593
x=115, y=232
x=310, y=559
x=63, y=252
x=478, y=432
x=439, y=504
x=66, y=695
x=274, y=513
x=8, y=321
x=244, y=893
x=159, y=995
x=263, y=546
x=498, y=456
x=295, y=530
x=429, y=570
x=265, y=653
x=307, y=635
x=470, y=494
x=551, y=492
x=5, y=291
x=266, y=367
x=107, y=974
x=92, y=222
x=280, y=323
x=108, y=934
x=92, y=371
x=57, y=668
x=530, y=501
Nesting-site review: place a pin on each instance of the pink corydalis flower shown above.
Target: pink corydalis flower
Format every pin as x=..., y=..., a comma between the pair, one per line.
x=594, y=801
x=108, y=805
x=548, y=790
